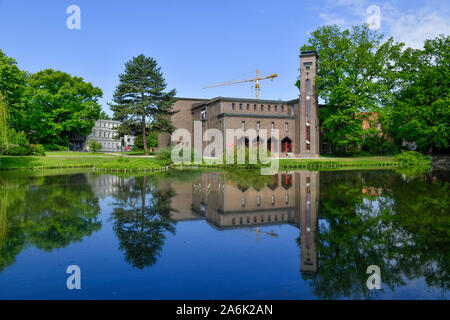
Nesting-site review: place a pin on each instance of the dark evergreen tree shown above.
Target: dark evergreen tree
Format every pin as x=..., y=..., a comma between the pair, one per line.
x=140, y=97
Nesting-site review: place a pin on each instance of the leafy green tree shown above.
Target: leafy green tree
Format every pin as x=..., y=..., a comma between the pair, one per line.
x=59, y=105
x=354, y=76
x=104, y=116
x=12, y=86
x=95, y=146
x=421, y=112
x=140, y=97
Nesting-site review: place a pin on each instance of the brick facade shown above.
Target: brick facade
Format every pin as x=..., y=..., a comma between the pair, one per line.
x=291, y=118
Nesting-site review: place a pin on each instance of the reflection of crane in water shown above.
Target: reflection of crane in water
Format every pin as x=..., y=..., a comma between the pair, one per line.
x=258, y=232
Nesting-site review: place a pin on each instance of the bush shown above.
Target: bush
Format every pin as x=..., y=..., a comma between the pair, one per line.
x=37, y=150
x=95, y=146
x=16, y=150
x=412, y=157
x=164, y=155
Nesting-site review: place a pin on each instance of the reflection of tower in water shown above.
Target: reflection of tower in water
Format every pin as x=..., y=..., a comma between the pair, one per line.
x=308, y=220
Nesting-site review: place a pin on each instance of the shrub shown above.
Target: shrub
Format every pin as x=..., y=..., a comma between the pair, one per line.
x=95, y=146
x=411, y=157
x=16, y=150
x=164, y=155
x=37, y=150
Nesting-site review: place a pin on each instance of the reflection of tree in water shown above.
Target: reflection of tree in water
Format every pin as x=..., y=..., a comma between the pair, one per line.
x=46, y=212
x=141, y=218
x=404, y=229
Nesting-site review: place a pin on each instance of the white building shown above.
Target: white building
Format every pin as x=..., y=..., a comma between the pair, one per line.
x=105, y=133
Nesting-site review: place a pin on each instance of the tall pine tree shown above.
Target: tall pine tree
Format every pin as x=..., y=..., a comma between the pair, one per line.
x=140, y=98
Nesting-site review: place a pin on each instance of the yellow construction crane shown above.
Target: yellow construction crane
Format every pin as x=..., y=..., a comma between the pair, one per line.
x=255, y=80
x=258, y=232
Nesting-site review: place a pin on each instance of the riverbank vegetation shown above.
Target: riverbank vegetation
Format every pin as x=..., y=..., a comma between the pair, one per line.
x=163, y=160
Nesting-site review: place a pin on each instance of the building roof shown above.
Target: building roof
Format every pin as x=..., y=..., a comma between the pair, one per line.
x=245, y=100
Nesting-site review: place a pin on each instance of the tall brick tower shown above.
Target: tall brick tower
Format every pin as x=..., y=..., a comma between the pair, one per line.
x=308, y=122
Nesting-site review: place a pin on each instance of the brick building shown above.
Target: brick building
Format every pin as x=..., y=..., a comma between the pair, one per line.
x=296, y=120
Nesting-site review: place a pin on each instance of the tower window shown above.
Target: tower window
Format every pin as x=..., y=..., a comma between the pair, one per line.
x=268, y=107
x=262, y=107
x=232, y=106
x=282, y=108
x=248, y=106
x=276, y=107
x=240, y=106
x=254, y=107
x=286, y=125
x=257, y=125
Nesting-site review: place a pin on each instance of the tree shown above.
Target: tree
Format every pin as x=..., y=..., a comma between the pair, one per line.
x=95, y=146
x=140, y=97
x=3, y=124
x=59, y=105
x=421, y=112
x=12, y=86
x=104, y=116
x=354, y=76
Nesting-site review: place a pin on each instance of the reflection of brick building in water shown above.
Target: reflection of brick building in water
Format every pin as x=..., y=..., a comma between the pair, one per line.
x=290, y=198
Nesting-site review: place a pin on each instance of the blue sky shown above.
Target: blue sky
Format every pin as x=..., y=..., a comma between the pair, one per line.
x=196, y=43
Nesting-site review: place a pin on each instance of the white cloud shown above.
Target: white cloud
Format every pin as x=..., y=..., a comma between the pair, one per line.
x=412, y=26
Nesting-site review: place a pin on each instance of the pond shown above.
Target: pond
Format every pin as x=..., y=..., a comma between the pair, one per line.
x=232, y=235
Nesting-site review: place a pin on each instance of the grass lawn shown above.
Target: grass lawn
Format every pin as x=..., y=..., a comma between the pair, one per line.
x=83, y=159
x=63, y=159
x=340, y=161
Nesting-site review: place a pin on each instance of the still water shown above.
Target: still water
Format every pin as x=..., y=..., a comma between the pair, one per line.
x=237, y=235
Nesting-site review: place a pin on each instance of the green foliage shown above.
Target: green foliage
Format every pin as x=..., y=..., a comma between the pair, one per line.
x=95, y=146
x=37, y=149
x=58, y=106
x=18, y=145
x=12, y=87
x=104, y=116
x=354, y=76
x=412, y=157
x=16, y=150
x=376, y=144
x=141, y=97
x=3, y=121
x=152, y=140
x=420, y=112
x=164, y=155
